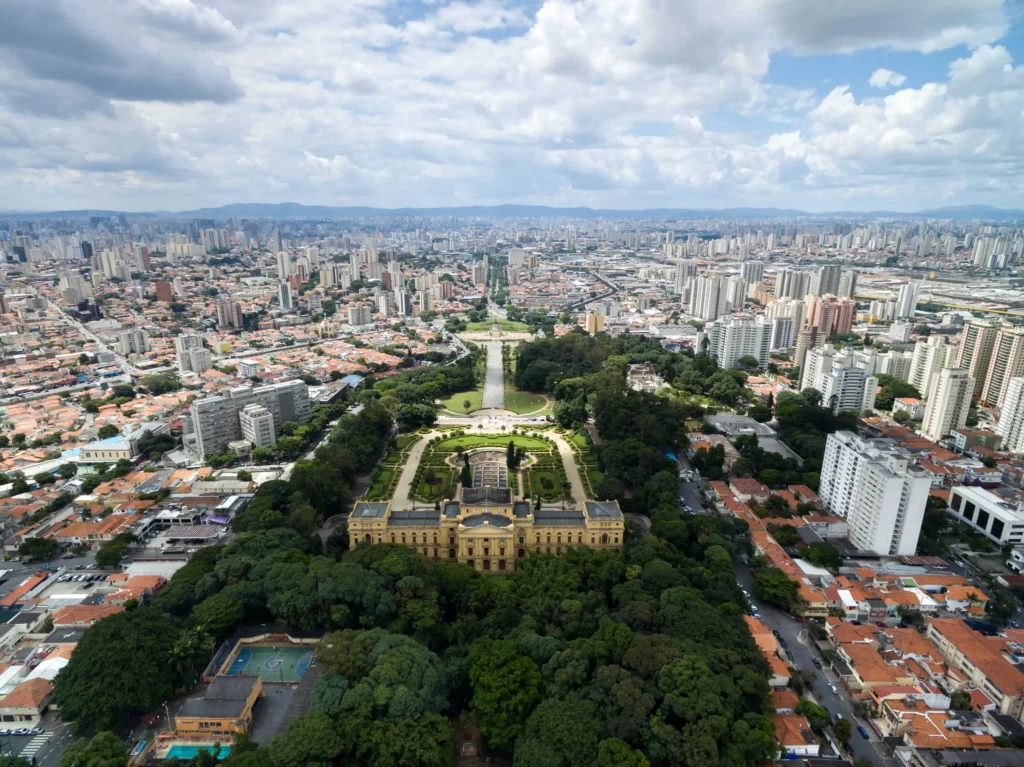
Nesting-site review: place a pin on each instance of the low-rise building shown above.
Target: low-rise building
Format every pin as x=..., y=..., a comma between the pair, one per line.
x=224, y=709
x=998, y=519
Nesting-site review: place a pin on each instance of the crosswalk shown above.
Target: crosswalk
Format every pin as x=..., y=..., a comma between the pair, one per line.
x=35, y=745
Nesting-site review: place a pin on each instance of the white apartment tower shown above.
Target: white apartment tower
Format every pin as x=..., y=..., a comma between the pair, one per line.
x=360, y=315
x=192, y=356
x=844, y=380
x=737, y=336
x=257, y=425
x=709, y=299
x=133, y=341
x=948, y=403
x=872, y=485
x=215, y=421
x=285, y=297
x=930, y=357
x=975, y=350
x=1011, y=417
x=1006, y=363
x=906, y=301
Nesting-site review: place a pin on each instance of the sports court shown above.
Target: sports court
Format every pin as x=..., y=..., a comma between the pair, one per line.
x=272, y=663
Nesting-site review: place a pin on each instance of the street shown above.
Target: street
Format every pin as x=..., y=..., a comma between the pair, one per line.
x=799, y=642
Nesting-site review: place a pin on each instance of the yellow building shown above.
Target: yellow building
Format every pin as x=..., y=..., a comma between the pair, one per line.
x=225, y=708
x=487, y=530
x=593, y=323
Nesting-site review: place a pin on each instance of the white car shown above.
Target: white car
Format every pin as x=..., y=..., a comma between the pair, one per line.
x=834, y=689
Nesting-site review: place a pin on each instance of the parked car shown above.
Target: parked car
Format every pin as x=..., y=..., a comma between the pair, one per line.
x=816, y=662
x=37, y=731
x=839, y=716
x=880, y=624
x=22, y=731
x=782, y=641
x=789, y=654
x=798, y=618
x=777, y=634
x=834, y=689
x=863, y=732
x=4, y=732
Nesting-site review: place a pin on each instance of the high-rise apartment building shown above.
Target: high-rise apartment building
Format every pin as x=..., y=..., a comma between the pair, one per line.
x=1011, y=417
x=285, y=297
x=1006, y=362
x=257, y=425
x=360, y=314
x=164, y=291
x=848, y=285
x=845, y=382
x=790, y=283
x=783, y=333
x=827, y=280
x=874, y=487
x=593, y=323
x=133, y=341
x=215, y=420
x=424, y=299
x=752, y=271
x=948, y=403
x=930, y=357
x=709, y=298
x=739, y=335
x=192, y=356
x=975, y=350
x=906, y=301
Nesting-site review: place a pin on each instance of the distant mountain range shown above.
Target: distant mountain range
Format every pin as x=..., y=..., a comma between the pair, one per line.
x=294, y=210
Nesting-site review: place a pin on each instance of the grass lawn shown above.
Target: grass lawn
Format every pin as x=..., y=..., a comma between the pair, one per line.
x=522, y=401
x=454, y=402
x=382, y=487
x=595, y=478
x=545, y=483
x=471, y=442
x=580, y=440
x=506, y=325
x=444, y=489
x=402, y=441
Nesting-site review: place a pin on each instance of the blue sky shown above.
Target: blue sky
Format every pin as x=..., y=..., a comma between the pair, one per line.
x=606, y=103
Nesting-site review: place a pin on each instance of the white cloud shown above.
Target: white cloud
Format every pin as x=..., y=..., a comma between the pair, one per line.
x=886, y=78
x=372, y=102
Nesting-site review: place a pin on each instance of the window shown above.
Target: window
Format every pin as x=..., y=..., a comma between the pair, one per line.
x=559, y=538
x=579, y=538
x=435, y=552
x=470, y=562
x=487, y=550
x=969, y=510
x=451, y=540
x=997, y=528
x=403, y=537
x=982, y=519
x=368, y=539
x=487, y=564
x=451, y=553
x=549, y=537
x=604, y=538
x=435, y=539
x=501, y=564
x=392, y=537
x=470, y=551
x=414, y=537
x=538, y=537
x=522, y=553
x=955, y=503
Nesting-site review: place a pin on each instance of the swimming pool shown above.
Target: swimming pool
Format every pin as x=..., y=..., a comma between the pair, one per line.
x=189, y=752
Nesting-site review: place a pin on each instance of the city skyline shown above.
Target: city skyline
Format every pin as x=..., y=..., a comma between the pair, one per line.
x=606, y=105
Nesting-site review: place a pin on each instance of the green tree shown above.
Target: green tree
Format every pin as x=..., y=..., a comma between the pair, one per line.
x=107, y=431
x=218, y=614
x=67, y=470
x=466, y=476
x=617, y=753
x=38, y=548
x=560, y=733
x=775, y=587
x=960, y=701
x=160, y=383
x=243, y=476
x=816, y=715
x=506, y=687
x=844, y=730
x=104, y=750
x=121, y=665
x=311, y=740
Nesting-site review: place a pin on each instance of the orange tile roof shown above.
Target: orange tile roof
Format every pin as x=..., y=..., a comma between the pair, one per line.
x=1001, y=673
x=793, y=730
x=14, y=596
x=29, y=694
x=71, y=615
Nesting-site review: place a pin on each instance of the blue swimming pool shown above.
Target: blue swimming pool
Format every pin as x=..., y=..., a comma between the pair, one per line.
x=188, y=752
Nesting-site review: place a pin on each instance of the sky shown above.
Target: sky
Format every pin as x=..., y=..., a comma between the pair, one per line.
x=814, y=104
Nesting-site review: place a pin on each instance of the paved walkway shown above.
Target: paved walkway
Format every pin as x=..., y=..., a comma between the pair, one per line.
x=400, y=500
x=494, y=382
